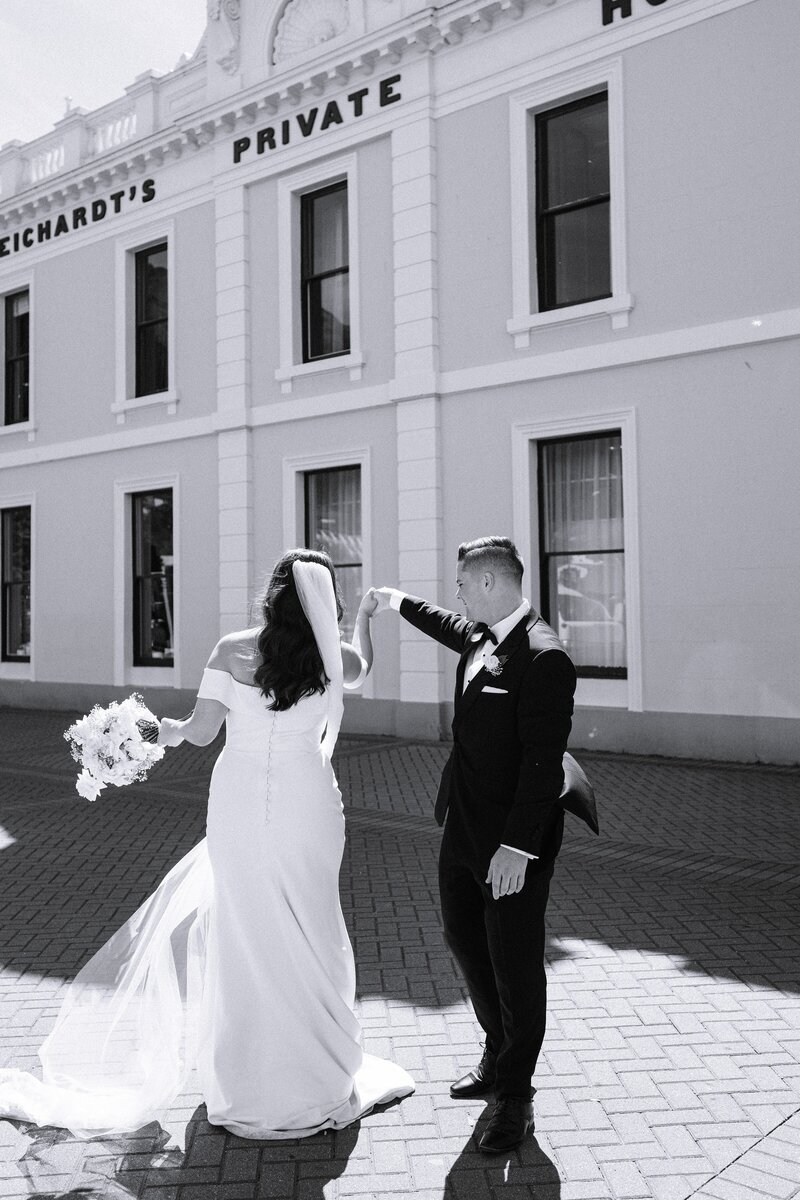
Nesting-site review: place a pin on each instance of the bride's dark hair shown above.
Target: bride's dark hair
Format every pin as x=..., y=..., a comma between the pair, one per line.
x=291, y=666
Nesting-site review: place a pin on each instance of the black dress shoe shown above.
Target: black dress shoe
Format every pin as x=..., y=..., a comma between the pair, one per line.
x=508, y=1125
x=476, y=1082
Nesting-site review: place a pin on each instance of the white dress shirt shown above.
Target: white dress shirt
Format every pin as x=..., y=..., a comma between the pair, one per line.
x=486, y=648
x=482, y=651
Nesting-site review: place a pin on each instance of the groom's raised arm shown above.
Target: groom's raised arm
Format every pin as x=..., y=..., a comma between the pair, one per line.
x=449, y=628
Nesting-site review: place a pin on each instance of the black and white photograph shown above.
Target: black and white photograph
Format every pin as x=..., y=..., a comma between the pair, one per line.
x=400, y=552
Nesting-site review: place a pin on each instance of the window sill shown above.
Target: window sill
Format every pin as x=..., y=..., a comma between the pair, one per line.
x=16, y=670
x=353, y=362
x=601, y=693
x=19, y=427
x=150, y=676
x=121, y=407
x=616, y=307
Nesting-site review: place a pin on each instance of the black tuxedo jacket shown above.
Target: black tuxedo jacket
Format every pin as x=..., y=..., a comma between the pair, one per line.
x=504, y=776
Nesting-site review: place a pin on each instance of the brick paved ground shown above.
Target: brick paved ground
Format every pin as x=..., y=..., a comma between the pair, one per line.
x=672, y=1062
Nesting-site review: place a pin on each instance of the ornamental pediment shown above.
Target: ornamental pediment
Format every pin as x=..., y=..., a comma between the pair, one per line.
x=305, y=25
x=260, y=39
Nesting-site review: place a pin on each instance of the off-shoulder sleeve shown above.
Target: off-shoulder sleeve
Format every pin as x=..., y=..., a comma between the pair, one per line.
x=216, y=685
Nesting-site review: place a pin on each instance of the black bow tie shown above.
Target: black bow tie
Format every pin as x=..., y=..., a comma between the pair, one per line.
x=481, y=630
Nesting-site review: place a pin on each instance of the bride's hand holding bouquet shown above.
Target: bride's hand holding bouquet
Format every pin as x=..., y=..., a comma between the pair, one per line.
x=114, y=745
x=169, y=732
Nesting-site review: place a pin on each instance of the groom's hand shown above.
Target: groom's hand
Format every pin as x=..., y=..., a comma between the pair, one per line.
x=506, y=872
x=382, y=599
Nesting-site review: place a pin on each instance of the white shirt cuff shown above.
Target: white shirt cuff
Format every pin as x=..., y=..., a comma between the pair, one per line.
x=517, y=851
x=396, y=599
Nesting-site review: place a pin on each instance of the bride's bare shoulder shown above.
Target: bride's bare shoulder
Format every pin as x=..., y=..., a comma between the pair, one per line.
x=235, y=650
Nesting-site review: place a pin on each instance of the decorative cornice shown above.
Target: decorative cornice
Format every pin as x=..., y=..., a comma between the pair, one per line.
x=424, y=33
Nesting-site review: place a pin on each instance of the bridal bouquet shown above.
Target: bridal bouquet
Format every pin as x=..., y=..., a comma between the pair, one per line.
x=114, y=745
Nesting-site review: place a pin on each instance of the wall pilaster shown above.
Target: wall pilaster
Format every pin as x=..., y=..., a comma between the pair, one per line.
x=416, y=301
x=419, y=513
x=234, y=441
x=235, y=473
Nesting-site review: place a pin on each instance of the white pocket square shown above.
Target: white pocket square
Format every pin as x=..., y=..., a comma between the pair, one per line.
x=497, y=691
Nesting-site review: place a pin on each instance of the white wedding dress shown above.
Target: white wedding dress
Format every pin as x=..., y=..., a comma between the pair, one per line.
x=238, y=967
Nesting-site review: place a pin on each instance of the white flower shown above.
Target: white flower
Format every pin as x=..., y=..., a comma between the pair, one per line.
x=494, y=664
x=87, y=786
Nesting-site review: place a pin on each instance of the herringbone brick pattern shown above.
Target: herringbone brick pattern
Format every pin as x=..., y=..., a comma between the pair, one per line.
x=671, y=1066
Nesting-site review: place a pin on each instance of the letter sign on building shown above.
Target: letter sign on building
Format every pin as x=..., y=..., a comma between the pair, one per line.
x=623, y=8
x=336, y=112
x=77, y=218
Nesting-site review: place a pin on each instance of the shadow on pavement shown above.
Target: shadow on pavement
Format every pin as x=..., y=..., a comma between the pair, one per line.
x=528, y=1169
x=70, y=880
x=57, y=1165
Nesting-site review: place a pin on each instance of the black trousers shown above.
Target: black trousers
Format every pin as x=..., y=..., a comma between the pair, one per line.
x=499, y=946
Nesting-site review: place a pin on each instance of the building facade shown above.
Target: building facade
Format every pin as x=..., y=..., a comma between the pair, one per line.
x=380, y=277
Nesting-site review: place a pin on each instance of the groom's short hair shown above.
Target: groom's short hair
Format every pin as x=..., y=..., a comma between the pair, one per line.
x=498, y=554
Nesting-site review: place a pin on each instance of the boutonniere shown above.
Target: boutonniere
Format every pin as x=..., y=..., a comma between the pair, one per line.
x=494, y=663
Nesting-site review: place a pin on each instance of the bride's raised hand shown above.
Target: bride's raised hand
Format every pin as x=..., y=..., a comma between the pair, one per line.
x=383, y=599
x=369, y=603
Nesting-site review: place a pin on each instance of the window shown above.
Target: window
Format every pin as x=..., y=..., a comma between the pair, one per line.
x=16, y=553
x=333, y=524
x=325, y=272
x=582, y=557
x=573, y=243
x=152, y=340
x=153, y=610
x=17, y=376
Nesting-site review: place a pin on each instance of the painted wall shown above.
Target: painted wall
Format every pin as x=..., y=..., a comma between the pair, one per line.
x=711, y=188
x=74, y=554
x=338, y=435
x=711, y=224
x=375, y=243
x=719, y=576
x=74, y=324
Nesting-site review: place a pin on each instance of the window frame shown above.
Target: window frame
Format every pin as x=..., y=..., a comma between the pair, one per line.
x=6, y=659
x=610, y=693
x=309, y=277
x=544, y=214
x=583, y=671
x=9, y=360
x=291, y=187
x=139, y=659
x=294, y=471
x=127, y=248
x=12, y=286
x=125, y=672
x=141, y=323
x=307, y=475
x=557, y=91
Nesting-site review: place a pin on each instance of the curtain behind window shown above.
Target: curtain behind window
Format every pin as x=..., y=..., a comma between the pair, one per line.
x=583, y=564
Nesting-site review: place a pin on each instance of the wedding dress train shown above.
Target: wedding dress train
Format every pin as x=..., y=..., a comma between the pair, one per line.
x=239, y=965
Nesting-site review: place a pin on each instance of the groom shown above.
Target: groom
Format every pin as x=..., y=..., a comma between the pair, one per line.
x=499, y=792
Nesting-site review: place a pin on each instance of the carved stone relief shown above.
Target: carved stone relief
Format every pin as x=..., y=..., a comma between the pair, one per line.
x=226, y=14
x=306, y=24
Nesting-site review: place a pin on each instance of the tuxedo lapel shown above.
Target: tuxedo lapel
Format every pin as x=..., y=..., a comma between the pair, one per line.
x=464, y=699
x=473, y=641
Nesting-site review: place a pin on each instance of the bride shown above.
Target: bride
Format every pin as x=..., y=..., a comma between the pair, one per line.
x=239, y=965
